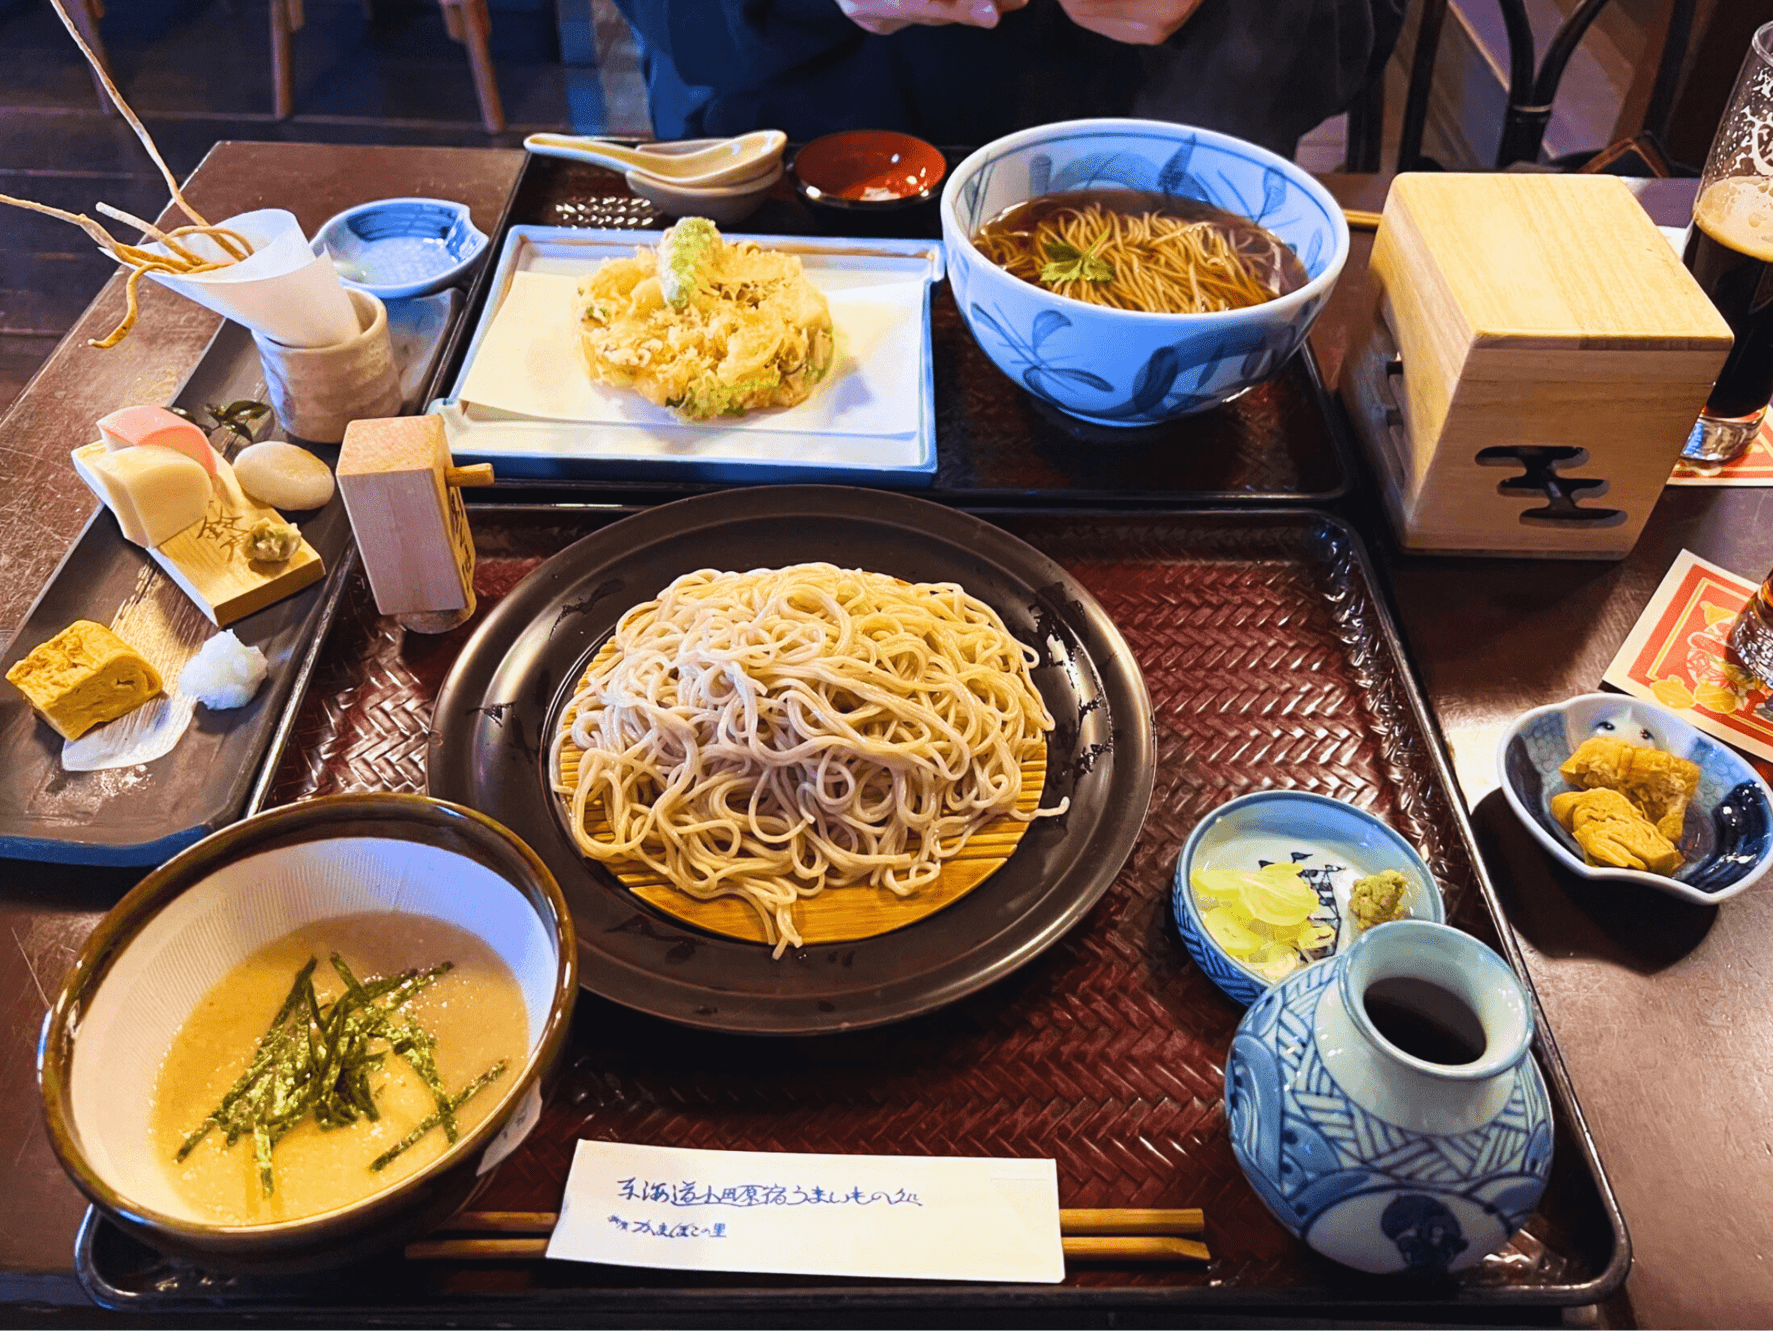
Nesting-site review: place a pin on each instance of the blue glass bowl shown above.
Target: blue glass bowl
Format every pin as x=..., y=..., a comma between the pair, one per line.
x=1728, y=838
x=395, y=248
x=1334, y=842
x=1127, y=367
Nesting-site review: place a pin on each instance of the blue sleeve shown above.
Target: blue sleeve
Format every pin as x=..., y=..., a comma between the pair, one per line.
x=728, y=45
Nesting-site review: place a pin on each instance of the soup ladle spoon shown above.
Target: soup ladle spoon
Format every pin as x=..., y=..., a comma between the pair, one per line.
x=724, y=163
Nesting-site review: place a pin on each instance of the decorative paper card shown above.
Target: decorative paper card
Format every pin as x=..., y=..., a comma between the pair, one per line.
x=1755, y=467
x=902, y=1217
x=1678, y=654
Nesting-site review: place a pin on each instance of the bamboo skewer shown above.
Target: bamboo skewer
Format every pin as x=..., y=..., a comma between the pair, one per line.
x=1102, y=1234
x=1360, y=219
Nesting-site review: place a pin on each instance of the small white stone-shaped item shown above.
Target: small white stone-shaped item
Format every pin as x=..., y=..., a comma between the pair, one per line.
x=283, y=475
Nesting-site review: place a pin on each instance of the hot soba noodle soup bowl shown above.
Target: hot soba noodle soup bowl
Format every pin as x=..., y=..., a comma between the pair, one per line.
x=423, y=872
x=1128, y=367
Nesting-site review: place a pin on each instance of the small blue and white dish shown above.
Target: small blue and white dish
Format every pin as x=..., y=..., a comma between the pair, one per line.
x=1334, y=843
x=1727, y=843
x=396, y=248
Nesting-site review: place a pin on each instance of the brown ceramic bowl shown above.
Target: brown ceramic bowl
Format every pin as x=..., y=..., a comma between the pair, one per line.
x=186, y=924
x=870, y=170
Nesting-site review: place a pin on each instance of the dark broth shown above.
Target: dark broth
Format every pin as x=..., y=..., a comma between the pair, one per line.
x=1425, y=1021
x=1268, y=256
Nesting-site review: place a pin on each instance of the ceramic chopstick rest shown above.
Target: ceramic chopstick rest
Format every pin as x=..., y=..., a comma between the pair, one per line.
x=403, y=496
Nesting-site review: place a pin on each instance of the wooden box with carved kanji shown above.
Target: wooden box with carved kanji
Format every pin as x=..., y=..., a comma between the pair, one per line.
x=1535, y=359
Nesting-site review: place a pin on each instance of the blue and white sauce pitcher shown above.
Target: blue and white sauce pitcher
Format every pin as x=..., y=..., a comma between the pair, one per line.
x=1384, y=1105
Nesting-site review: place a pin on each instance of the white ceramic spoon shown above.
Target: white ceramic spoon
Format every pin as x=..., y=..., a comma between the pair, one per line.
x=724, y=163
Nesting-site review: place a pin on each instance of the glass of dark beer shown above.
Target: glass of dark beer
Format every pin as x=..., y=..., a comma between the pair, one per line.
x=1730, y=252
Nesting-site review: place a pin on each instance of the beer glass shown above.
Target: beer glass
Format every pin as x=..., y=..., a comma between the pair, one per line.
x=1751, y=637
x=1730, y=252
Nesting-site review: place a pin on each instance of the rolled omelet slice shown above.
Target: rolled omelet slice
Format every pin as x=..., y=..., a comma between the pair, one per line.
x=1659, y=783
x=83, y=676
x=1613, y=832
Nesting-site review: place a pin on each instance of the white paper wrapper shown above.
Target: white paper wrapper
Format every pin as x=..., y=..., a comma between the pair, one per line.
x=282, y=290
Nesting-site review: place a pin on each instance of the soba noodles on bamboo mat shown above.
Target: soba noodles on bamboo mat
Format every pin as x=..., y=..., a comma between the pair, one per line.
x=776, y=734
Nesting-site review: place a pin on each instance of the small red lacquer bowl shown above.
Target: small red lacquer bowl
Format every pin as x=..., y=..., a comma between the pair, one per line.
x=868, y=169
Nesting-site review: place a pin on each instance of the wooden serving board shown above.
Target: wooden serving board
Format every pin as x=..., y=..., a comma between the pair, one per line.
x=841, y=914
x=208, y=559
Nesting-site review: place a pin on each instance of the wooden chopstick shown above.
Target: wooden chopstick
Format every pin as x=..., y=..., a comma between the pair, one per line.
x=1081, y=1247
x=1360, y=219
x=502, y=1222
x=481, y=1249
x=1133, y=1248
x=1122, y=1234
x=1132, y=1220
x=1100, y=1220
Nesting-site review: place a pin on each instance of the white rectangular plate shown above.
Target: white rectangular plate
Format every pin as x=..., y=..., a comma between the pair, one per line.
x=524, y=402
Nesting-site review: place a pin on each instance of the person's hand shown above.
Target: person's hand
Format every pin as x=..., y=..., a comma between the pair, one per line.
x=1137, y=22
x=883, y=16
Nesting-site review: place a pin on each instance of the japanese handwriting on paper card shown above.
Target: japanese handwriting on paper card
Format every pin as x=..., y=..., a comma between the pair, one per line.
x=904, y=1216
x=668, y=1231
x=758, y=1194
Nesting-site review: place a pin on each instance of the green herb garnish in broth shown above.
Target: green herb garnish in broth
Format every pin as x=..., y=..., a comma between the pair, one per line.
x=316, y=1059
x=1067, y=263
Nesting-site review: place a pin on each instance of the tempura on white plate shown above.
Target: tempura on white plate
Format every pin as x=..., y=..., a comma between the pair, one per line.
x=705, y=327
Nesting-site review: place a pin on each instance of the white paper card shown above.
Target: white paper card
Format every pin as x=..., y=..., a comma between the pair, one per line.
x=529, y=362
x=903, y=1217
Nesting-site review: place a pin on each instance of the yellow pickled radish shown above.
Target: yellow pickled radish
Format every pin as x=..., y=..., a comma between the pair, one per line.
x=1231, y=933
x=1274, y=963
x=1283, y=898
x=1274, y=894
x=1261, y=917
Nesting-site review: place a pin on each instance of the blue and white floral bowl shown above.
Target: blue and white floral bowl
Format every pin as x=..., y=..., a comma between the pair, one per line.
x=396, y=248
x=1333, y=842
x=1124, y=367
x=1728, y=839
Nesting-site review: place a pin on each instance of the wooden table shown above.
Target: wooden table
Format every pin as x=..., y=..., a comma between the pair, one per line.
x=1660, y=1008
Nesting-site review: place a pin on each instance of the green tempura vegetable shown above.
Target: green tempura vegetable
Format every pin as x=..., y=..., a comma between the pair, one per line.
x=682, y=250
x=317, y=1059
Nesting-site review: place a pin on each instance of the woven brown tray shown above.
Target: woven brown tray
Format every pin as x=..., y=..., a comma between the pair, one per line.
x=1270, y=663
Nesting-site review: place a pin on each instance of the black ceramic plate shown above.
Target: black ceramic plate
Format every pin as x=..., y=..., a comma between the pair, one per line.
x=495, y=714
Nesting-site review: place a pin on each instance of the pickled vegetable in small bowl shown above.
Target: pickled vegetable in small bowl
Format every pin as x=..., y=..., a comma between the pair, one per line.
x=1274, y=881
